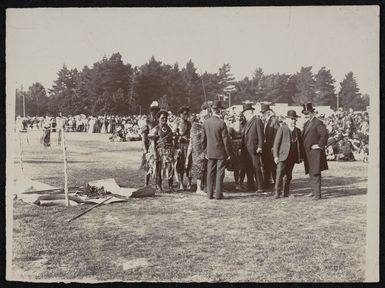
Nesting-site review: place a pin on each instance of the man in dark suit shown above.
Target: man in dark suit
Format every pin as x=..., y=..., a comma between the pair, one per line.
x=315, y=137
x=287, y=150
x=252, y=143
x=216, y=143
x=271, y=125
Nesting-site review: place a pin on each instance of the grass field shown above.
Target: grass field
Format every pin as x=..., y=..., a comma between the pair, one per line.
x=183, y=236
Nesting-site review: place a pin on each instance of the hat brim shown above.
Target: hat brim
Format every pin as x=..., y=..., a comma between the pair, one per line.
x=160, y=113
x=154, y=108
x=250, y=108
x=292, y=117
x=307, y=111
x=263, y=111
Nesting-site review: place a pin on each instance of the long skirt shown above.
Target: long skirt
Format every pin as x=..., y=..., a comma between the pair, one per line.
x=199, y=166
x=46, y=137
x=238, y=161
x=103, y=129
x=166, y=162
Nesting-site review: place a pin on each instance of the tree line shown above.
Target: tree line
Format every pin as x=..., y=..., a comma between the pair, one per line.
x=115, y=88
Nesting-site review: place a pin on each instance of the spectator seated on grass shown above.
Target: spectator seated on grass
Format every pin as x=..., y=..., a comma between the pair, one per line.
x=118, y=135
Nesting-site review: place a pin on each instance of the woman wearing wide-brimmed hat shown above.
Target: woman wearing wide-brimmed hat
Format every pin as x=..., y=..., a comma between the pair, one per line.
x=238, y=160
x=46, y=138
x=195, y=149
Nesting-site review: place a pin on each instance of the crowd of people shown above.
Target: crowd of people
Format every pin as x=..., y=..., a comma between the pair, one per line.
x=125, y=126
x=255, y=145
x=348, y=130
x=259, y=146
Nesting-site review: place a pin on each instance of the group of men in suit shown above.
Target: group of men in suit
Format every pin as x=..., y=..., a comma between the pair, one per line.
x=270, y=149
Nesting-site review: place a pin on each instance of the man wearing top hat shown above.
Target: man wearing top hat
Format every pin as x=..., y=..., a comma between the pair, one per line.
x=252, y=142
x=270, y=127
x=216, y=143
x=287, y=150
x=182, y=138
x=315, y=137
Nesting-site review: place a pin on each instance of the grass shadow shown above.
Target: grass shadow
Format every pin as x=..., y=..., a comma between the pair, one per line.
x=331, y=187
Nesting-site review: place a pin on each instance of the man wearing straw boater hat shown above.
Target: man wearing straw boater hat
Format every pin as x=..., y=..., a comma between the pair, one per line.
x=315, y=137
x=216, y=143
x=287, y=150
x=252, y=143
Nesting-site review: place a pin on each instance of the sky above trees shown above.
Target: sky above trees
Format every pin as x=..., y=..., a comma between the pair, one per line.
x=279, y=40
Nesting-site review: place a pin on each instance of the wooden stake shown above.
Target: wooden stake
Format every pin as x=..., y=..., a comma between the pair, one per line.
x=77, y=216
x=63, y=144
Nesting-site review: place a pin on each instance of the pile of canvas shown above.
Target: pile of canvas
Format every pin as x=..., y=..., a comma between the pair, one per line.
x=39, y=193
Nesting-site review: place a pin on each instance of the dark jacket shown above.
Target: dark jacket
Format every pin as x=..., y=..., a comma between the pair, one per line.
x=215, y=139
x=270, y=129
x=253, y=135
x=315, y=132
x=282, y=144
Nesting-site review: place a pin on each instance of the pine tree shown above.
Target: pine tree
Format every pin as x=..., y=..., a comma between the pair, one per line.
x=150, y=83
x=36, y=100
x=61, y=94
x=225, y=81
x=349, y=95
x=305, y=86
x=324, y=88
x=192, y=86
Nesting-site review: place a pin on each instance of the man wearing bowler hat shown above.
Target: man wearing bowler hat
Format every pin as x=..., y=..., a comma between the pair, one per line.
x=315, y=137
x=252, y=142
x=216, y=143
x=287, y=150
x=271, y=125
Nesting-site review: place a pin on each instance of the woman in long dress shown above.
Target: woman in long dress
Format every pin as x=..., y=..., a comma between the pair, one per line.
x=91, y=124
x=238, y=161
x=195, y=148
x=104, y=128
x=46, y=139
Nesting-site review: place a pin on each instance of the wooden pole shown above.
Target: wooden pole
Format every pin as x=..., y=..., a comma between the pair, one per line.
x=77, y=216
x=20, y=153
x=204, y=90
x=63, y=143
x=338, y=101
x=23, y=105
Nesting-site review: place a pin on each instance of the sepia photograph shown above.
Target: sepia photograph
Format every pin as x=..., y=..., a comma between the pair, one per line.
x=205, y=144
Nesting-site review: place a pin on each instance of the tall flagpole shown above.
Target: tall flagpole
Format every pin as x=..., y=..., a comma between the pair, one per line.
x=23, y=105
x=203, y=86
